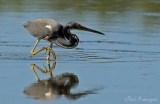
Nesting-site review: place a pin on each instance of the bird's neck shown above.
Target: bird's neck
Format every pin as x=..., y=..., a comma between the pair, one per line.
x=68, y=40
x=66, y=32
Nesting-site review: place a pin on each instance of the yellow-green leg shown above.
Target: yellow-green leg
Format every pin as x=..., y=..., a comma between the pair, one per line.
x=48, y=56
x=33, y=52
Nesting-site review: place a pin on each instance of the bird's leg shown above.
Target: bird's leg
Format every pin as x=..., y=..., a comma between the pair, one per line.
x=43, y=48
x=49, y=51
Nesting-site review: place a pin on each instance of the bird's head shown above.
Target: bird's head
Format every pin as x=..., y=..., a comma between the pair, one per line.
x=75, y=25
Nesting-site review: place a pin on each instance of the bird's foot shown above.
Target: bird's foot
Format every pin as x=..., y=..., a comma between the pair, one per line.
x=48, y=58
x=50, y=52
x=45, y=51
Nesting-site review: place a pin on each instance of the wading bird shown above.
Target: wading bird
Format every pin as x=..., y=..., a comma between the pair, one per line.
x=54, y=32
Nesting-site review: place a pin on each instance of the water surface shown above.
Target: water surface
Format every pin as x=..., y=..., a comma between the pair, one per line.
x=123, y=65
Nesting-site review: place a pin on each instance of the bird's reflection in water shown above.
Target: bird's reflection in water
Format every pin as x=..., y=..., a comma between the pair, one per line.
x=54, y=87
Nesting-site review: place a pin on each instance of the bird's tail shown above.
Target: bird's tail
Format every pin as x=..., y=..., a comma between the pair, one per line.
x=26, y=24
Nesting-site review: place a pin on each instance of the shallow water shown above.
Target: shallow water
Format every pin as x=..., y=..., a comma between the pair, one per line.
x=120, y=67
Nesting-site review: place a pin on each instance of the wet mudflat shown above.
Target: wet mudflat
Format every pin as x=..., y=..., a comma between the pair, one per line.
x=121, y=67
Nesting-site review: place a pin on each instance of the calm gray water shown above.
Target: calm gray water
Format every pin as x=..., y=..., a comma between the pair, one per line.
x=121, y=67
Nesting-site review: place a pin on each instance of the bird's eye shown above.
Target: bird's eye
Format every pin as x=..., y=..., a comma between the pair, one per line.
x=79, y=26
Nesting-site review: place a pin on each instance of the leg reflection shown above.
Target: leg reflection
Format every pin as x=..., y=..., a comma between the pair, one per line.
x=55, y=86
x=46, y=71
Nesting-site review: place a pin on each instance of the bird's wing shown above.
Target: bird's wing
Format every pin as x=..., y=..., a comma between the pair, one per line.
x=40, y=29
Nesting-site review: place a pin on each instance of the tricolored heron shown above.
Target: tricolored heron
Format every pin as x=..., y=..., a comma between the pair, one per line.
x=54, y=32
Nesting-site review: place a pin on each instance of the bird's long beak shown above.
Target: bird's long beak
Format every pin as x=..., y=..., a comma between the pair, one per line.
x=88, y=29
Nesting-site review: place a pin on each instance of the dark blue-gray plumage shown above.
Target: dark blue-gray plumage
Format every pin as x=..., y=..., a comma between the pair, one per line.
x=54, y=32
